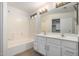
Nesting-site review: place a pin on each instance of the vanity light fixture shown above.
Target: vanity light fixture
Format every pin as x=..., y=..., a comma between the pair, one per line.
x=42, y=11
x=59, y=4
x=33, y=15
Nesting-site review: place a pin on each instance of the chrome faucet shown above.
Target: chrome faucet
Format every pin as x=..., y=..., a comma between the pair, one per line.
x=62, y=34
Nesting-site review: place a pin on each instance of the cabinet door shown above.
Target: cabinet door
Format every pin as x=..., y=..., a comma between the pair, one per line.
x=68, y=52
x=35, y=46
x=53, y=50
x=41, y=45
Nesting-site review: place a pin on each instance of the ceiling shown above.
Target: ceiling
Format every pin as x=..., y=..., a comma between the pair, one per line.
x=31, y=7
x=27, y=6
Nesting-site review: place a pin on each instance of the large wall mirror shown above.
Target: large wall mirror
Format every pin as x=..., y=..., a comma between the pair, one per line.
x=63, y=19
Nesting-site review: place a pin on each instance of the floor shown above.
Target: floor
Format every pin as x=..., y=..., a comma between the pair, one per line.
x=29, y=52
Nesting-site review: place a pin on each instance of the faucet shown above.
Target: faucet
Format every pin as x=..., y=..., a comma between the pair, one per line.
x=44, y=32
x=62, y=34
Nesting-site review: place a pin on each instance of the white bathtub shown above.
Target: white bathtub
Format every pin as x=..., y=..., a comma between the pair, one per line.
x=17, y=46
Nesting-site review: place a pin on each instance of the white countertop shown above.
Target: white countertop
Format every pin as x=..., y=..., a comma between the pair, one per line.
x=70, y=37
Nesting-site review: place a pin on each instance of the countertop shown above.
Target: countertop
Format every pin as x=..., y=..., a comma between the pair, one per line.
x=70, y=37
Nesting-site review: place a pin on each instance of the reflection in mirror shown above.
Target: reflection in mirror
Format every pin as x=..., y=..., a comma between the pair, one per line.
x=60, y=20
x=55, y=25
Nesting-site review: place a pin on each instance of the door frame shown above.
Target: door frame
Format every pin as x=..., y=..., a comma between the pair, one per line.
x=3, y=29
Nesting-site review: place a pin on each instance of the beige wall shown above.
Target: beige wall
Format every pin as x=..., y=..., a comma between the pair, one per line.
x=32, y=27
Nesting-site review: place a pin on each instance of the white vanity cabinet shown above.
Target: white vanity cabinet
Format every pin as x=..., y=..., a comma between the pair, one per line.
x=69, y=48
x=53, y=47
x=40, y=44
x=35, y=45
x=53, y=50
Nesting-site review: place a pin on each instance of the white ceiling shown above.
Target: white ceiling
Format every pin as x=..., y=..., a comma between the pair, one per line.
x=31, y=7
x=27, y=6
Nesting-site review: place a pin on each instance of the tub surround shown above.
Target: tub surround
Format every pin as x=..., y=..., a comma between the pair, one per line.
x=18, y=31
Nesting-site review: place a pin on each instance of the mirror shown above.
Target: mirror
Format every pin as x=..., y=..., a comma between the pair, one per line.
x=60, y=20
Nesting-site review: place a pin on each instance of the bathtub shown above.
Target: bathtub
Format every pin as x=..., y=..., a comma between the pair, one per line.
x=16, y=46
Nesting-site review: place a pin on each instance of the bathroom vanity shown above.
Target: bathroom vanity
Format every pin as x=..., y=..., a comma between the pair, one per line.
x=56, y=45
x=57, y=21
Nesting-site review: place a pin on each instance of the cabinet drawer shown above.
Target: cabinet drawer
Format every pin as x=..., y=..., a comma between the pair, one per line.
x=53, y=41
x=68, y=52
x=53, y=50
x=70, y=44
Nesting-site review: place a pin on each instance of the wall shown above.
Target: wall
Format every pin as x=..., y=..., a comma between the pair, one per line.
x=35, y=26
x=32, y=28
x=78, y=20
x=18, y=24
x=1, y=30
x=46, y=19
